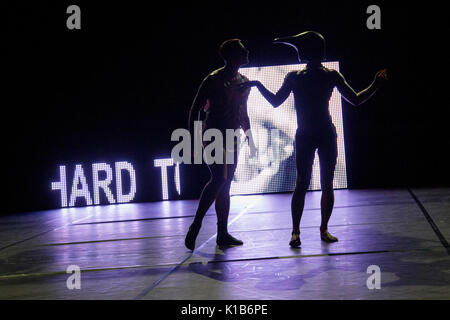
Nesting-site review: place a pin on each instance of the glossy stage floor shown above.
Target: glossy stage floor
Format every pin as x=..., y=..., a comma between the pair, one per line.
x=136, y=251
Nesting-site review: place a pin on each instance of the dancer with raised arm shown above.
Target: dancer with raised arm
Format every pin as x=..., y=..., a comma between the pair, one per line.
x=312, y=89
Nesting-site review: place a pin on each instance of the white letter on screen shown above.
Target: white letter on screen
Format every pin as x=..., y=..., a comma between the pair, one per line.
x=84, y=191
x=164, y=163
x=61, y=185
x=104, y=184
x=124, y=165
x=177, y=177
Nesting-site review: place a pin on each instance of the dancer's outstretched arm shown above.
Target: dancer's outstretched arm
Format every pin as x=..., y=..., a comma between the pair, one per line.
x=357, y=98
x=274, y=99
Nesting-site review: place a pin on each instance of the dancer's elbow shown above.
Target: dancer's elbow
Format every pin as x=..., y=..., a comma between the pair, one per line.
x=276, y=102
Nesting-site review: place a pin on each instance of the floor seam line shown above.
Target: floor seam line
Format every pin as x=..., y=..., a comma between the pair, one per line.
x=212, y=214
x=41, y=274
x=431, y=222
x=42, y=233
x=172, y=270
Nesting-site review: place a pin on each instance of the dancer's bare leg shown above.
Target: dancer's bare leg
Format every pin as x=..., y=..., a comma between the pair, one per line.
x=223, y=208
x=223, y=211
x=209, y=194
x=304, y=161
x=326, y=208
x=327, y=156
x=207, y=197
x=297, y=205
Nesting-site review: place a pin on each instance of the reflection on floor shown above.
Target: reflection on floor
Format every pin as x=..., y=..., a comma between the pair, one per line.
x=136, y=251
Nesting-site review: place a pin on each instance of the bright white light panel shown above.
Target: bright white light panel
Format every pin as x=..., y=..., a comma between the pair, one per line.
x=273, y=169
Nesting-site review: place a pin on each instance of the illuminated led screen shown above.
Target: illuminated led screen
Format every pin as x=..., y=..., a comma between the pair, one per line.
x=273, y=168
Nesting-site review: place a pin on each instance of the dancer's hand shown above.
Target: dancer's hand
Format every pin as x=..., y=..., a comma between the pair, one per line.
x=249, y=84
x=381, y=77
x=251, y=144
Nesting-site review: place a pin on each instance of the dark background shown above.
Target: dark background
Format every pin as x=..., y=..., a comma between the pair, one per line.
x=116, y=89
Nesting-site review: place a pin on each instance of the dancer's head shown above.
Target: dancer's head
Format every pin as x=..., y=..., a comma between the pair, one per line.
x=233, y=52
x=310, y=45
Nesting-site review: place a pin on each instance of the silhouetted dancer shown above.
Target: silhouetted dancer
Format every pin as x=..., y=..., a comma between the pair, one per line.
x=225, y=103
x=312, y=88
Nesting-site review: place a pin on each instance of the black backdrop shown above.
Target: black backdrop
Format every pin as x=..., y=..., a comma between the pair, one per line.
x=117, y=88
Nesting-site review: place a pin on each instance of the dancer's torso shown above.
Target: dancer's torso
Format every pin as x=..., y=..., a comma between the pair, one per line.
x=312, y=88
x=226, y=101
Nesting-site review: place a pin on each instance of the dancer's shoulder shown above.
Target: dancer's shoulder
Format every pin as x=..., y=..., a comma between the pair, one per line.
x=293, y=74
x=331, y=72
x=214, y=74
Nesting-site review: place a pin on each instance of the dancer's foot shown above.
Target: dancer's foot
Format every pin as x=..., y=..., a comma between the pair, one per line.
x=295, y=239
x=191, y=236
x=228, y=240
x=327, y=237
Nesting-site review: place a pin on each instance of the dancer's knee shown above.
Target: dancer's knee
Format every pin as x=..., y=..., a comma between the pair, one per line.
x=302, y=185
x=327, y=186
x=328, y=191
x=217, y=181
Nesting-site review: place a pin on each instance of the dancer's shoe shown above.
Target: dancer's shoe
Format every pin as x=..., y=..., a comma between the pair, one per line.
x=327, y=237
x=191, y=236
x=295, y=240
x=228, y=240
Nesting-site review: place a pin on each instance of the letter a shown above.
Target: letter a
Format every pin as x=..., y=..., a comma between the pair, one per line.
x=79, y=177
x=184, y=146
x=374, y=281
x=74, y=20
x=374, y=21
x=74, y=281
x=216, y=146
